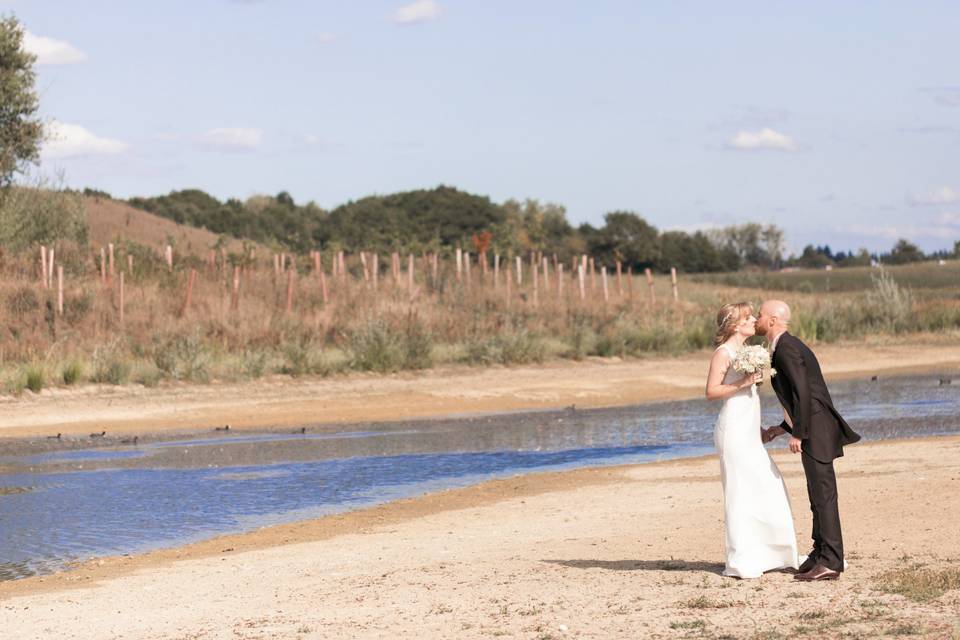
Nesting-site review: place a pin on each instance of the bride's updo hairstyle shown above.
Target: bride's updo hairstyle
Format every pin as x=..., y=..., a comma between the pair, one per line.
x=728, y=318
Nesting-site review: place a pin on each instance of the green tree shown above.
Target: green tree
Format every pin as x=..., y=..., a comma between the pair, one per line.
x=627, y=237
x=20, y=129
x=903, y=252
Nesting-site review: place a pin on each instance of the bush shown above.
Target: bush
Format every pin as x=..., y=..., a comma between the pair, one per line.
x=182, y=357
x=110, y=365
x=36, y=378
x=374, y=347
x=72, y=372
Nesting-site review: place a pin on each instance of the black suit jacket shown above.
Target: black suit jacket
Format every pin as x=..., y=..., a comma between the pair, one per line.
x=803, y=393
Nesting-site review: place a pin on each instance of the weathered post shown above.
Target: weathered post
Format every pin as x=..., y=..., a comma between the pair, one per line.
x=653, y=294
x=60, y=289
x=673, y=283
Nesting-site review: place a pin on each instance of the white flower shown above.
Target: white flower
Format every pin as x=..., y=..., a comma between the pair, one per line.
x=751, y=359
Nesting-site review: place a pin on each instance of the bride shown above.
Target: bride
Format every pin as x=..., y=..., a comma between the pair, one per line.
x=758, y=520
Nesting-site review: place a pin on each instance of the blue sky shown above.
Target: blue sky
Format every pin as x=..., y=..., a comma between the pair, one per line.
x=839, y=122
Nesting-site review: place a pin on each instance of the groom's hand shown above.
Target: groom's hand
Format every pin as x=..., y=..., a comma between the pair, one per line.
x=796, y=445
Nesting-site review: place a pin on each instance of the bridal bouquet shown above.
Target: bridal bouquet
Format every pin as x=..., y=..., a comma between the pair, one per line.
x=752, y=359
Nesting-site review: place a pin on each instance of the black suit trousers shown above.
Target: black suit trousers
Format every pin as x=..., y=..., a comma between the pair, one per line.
x=822, y=491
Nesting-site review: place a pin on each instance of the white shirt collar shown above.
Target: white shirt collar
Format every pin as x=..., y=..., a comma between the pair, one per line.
x=773, y=345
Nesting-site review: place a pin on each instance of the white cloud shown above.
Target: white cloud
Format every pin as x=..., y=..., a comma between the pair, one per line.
x=912, y=232
x=419, y=11
x=951, y=218
x=50, y=51
x=65, y=140
x=942, y=195
x=232, y=139
x=945, y=96
x=766, y=138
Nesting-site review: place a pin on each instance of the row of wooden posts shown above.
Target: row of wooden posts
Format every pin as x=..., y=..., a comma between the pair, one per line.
x=540, y=268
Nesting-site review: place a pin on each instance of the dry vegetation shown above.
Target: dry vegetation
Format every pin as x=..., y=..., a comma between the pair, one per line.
x=383, y=326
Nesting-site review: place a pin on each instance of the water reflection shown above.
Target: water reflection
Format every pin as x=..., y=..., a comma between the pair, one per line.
x=112, y=500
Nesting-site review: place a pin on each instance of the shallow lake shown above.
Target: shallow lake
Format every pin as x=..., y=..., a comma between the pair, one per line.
x=67, y=500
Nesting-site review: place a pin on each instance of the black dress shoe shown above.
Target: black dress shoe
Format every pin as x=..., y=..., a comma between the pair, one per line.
x=808, y=564
x=819, y=572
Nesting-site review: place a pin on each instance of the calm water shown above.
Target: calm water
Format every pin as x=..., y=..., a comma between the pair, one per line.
x=63, y=502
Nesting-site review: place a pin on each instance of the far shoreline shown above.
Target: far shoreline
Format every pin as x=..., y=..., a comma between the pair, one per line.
x=282, y=402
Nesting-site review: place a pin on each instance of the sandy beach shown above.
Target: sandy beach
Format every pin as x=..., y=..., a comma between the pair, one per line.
x=630, y=551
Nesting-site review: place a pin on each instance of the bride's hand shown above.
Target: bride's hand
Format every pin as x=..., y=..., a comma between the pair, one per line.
x=749, y=379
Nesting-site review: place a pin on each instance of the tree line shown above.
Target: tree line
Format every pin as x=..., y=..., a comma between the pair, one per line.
x=445, y=218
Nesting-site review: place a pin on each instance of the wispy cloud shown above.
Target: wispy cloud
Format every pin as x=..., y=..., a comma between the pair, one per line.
x=951, y=219
x=64, y=140
x=232, y=139
x=50, y=51
x=944, y=96
x=765, y=138
x=893, y=232
x=419, y=11
x=941, y=195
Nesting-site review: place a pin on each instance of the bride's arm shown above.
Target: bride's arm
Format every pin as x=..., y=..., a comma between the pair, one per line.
x=719, y=364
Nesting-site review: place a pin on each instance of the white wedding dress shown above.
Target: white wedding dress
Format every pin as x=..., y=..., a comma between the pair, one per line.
x=759, y=523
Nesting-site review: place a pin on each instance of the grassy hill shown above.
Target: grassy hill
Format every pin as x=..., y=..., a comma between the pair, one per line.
x=112, y=221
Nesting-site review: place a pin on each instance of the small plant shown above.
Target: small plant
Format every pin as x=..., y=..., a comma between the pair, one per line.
x=109, y=364
x=36, y=378
x=919, y=583
x=72, y=372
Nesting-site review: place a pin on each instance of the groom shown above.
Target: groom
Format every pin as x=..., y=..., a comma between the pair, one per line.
x=817, y=431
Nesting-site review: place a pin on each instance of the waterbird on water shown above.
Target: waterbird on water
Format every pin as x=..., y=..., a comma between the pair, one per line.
x=98, y=435
x=300, y=430
x=56, y=437
x=944, y=381
x=874, y=378
x=132, y=440
x=225, y=427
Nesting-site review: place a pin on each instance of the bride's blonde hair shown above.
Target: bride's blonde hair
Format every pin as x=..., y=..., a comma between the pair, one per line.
x=728, y=318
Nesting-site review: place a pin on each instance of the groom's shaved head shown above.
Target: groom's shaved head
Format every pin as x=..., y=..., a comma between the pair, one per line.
x=778, y=309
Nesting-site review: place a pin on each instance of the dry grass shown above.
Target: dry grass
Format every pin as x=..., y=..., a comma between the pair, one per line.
x=379, y=328
x=920, y=583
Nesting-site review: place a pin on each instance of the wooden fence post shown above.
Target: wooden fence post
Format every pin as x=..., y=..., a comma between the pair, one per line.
x=496, y=271
x=121, y=297
x=60, y=289
x=560, y=281
x=410, y=274
x=168, y=254
x=509, y=283
x=186, y=302
x=459, y=264
x=545, y=262
x=536, y=282
x=653, y=294
x=130, y=263
x=50, y=261
x=603, y=278
x=619, y=279
x=235, y=299
x=43, y=266
x=103, y=266
x=673, y=282
x=580, y=278
x=289, y=305
x=519, y=271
